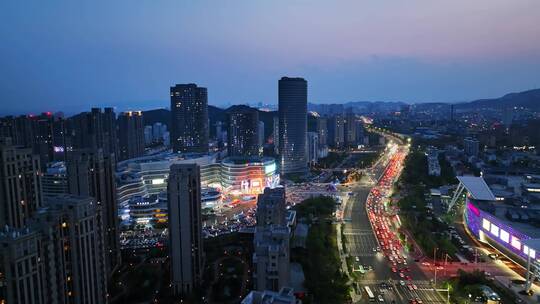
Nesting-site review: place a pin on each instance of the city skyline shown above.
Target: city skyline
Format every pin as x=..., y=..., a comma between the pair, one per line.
x=92, y=55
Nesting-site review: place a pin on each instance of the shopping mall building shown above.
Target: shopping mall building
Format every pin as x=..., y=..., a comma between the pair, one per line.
x=142, y=182
x=511, y=230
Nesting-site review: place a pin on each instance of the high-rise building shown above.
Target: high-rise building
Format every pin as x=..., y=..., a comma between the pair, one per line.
x=185, y=227
x=20, y=186
x=45, y=134
x=271, y=258
x=54, y=180
x=21, y=267
x=271, y=209
x=130, y=135
x=57, y=258
x=243, y=135
x=351, y=127
x=275, y=134
x=189, y=118
x=94, y=130
x=336, y=131
x=72, y=250
x=313, y=147
x=148, y=135
x=271, y=241
x=292, y=125
x=110, y=132
x=91, y=173
x=322, y=131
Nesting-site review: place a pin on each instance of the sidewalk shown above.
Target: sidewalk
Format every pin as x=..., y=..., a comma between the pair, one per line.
x=354, y=297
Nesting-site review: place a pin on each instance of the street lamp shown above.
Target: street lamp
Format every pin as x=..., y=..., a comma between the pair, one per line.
x=435, y=264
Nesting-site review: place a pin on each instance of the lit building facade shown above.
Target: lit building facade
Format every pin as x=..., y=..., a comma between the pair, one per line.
x=488, y=219
x=189, y=118
x=142, y=182
x=243, y=134
x=249, y=175
x=292, y=125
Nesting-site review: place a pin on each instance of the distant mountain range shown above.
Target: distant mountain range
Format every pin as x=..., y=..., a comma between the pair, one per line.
x=527, y=99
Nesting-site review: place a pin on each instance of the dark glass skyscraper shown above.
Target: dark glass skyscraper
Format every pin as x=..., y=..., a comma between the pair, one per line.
x=189, y=118
x=243, y=134
x=292, y=125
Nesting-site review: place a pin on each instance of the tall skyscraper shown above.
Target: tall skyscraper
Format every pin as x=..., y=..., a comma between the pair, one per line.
x=73, y=250
x=336, y=131
x=91, y=173
x=45, y=134
x=322, y=131
x=292, y=125
x=275, y=134
x=184, y=205
x=189, y=118
x=350, y=129
x=20, y=186
x=57, y=258
x=130, y=135
x=94, y=130
x=313, y=147
x=110, y=134
x=243, y=134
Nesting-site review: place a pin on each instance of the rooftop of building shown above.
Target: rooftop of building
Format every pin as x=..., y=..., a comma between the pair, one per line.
x=284, y=296
x=247, y=160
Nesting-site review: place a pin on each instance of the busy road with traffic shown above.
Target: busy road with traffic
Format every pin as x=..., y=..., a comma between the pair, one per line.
x=386, y=271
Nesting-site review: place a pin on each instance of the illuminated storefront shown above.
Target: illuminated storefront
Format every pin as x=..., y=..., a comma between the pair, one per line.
x=248, y=175
x=142, y=182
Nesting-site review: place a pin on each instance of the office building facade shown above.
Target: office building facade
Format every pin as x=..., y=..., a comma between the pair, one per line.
x=189, y=118
x=292, y=125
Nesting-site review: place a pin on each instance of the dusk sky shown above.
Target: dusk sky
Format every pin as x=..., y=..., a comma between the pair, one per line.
x=72, y=55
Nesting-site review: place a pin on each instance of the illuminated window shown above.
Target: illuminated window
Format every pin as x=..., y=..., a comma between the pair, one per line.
x=158, y=181
x=516, y=243
x=485, y=224
x=505, y=236
x=531, y=252
x=494, y=230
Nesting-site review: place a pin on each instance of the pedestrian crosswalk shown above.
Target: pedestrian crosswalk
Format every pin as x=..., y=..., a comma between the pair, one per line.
x=393, y=291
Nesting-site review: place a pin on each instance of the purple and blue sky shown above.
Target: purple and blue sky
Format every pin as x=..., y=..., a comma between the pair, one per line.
x=71, y=55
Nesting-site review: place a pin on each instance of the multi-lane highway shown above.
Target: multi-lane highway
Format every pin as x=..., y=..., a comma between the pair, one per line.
x=411, y=286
